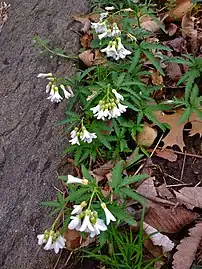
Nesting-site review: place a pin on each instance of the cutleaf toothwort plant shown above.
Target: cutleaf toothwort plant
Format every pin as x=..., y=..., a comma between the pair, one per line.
x=114, y=102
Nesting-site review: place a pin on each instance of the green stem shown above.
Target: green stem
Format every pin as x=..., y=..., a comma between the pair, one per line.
x=91, y=198
x=58, y=217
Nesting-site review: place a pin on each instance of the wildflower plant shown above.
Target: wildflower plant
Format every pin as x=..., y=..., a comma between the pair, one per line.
x=114, y=101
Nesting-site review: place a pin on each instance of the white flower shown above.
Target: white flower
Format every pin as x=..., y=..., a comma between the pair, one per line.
x=115, y=30
x=74, y=140
x=71, y=179
x=49, y=242
x=96, y=109
x=87, y=136
x=100, y=27
x=99, y=226
x=48, y=87
x=75, y=223
x=86, y=223
x=66, y=93
x=103, y=15
x=110, y=50
x=117, y=95
x=105, y=34
x=108, y=214
x=74, y=133
x=58, y=244
x=122, y=108
x=43, y=75
x=55, y=97
x=78, y=208
x=115, y=112
x=122, y=52
x=109, y=8
x=41, y=239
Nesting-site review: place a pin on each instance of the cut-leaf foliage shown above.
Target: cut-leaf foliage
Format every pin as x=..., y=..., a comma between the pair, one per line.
x=187, y=248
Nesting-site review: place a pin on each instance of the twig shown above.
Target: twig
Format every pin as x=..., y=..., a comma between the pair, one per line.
x=156, y=146
x=56, y=264
x=197, y=184
x=182, y=153
x=68, y=258
x=183, y=165
x=57, y=189
x=178, y=185
x=138, y=170
x=75, y=31
x=172, y=177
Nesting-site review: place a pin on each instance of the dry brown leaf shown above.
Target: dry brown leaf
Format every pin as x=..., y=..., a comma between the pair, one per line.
x=84, y=19
x=166, y=154
x=157, y=238
x=181, y=8
x=146, y=137
x=174, y=72
x=168, y=219
x=190, y=196
x=150, y=26
x=101, y=172
x=175, y=136
x=156, y=251
x=196, y=125
x=172, y=29
x=87, y=57
x=164, y=192
x=148, y=190
x=73, y=239
x=99, y=58
x=188, y=31
x=187, y=248
x=157, y=79
x=176, y=44
x=85, y=40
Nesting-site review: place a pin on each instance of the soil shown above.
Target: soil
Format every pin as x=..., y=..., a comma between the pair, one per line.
x=30, y=143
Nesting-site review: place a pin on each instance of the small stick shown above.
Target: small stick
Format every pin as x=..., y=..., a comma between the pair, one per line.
x=156, y=146
x=75, y=31
x=57, y=189
x=68, y=258
x=197, y=184
x=183, y=165
x=178, y=185
x=56, y=264
x=138, y=170
x=172, y=177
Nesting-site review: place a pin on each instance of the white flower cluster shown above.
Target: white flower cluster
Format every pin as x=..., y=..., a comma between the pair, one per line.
x=82, y=135
x=53, y=89
x=87, y=220
x=109, y=109
x=52, y=240
x=103, y=28
x=116, y=50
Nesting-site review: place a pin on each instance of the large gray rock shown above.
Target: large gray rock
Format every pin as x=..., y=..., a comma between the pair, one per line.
x=30, y=143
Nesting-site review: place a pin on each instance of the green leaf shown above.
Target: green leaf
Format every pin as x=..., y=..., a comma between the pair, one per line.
x=60, y=198
x=134, y=195
x=153, y=60
x=63, y=178
x=117, y=175
x=86, y=174
x=120, y=214
x=132, y=179
x=194, y=94
x=120, y=79
x=51, y=204
x=145, y=45
x=95, y=43
x=135, y=60
x=65, y=223
x=185, y=115
x=116, y=128
x=77, y=194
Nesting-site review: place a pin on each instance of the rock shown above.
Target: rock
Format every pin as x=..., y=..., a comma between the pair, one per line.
x=30, y=143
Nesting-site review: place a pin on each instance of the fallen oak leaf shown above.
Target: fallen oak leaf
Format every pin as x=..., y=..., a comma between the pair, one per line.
x=190, y=196
x=157, y=79
x=146, y=137
x=99, y=58
x=85, y=40
x=157, y=238
x=164, y=192
x=196, y=124
x=73, y=239
x=175, y=135
x=101, y=172
x=187, y=248
x=166, y=154
x=181, y=8
x=168, y=219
